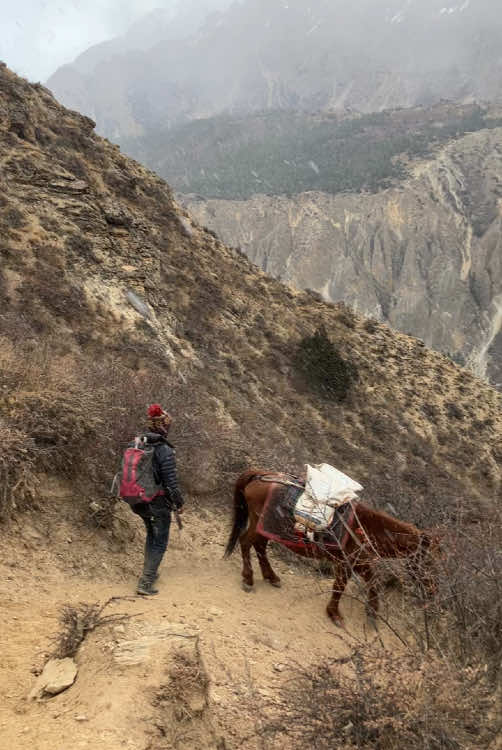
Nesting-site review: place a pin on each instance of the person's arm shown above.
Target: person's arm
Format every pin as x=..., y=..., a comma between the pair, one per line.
x=166, y=461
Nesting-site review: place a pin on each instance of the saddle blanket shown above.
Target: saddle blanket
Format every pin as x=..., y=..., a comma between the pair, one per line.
x=278, y=523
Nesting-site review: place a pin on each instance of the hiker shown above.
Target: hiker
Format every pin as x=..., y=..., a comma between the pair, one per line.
x=158, y=494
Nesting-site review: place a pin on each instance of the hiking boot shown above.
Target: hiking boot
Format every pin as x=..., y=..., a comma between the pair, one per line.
x=146, y=589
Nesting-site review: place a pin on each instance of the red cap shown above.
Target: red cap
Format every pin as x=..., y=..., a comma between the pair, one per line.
x=155, y=410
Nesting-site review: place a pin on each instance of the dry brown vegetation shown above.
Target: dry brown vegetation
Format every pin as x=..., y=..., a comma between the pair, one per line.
x=181, y=704
x=76, y=622
x=439, y=688
x=378, y=700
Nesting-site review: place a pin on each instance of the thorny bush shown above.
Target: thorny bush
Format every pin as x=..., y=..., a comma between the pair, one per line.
x=76, y=622
x=71, y=417
x=382, y=700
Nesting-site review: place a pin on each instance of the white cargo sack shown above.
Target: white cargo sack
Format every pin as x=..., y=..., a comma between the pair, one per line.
x=325, y=489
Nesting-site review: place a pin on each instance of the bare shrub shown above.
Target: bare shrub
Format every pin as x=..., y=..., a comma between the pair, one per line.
x=347, y=318
x=121, y=183
x=77, y=622
x=61, y=423
x=454, y=411
x=79, y=246
x=378, y=700
x=465, y=619
x=370, y=325
x=14, y=218
x=50, y=287
x=18, y=483
x=3, y=285
x=49, y=223
x=181, y=703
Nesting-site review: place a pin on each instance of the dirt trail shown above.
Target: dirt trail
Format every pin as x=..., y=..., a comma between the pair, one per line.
x=248, y=644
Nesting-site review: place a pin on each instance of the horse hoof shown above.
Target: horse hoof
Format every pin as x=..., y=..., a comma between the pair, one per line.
x=247, y=587
x=338, y=621
x=276, y=583
x=372, y=622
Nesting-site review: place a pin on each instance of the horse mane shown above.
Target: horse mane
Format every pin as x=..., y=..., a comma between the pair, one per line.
x=248, y=475
x=378, y=520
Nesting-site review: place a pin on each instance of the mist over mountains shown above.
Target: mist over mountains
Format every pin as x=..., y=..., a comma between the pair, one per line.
x=278, y=54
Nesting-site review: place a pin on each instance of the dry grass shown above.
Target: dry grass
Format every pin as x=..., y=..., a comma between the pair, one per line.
x=70, y=417
x=18, y=483
x=379, y=700
x=181, y=702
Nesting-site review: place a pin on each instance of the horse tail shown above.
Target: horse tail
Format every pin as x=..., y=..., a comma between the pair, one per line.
x=240, y=510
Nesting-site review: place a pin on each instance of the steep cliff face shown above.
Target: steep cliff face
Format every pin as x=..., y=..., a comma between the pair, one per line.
x=271, y=54
x=425, y=256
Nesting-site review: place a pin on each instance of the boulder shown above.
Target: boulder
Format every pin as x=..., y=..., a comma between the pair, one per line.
x=57, y=675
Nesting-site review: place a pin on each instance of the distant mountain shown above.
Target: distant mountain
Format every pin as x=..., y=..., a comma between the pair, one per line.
x=424, y=255
x=309, y=100
x=278, y=54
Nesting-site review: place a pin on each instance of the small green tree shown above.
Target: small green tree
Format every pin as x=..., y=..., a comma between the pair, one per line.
x=321, y=364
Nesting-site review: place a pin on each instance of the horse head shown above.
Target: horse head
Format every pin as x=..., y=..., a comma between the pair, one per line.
x=427, y=560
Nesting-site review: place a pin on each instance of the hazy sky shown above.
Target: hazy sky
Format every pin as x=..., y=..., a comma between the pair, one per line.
x=36, y=36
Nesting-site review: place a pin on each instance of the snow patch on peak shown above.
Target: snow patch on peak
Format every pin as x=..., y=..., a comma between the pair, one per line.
x=400, y=15
x=454, y=8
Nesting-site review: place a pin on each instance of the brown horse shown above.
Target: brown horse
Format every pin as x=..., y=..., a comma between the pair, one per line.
x=373, y=535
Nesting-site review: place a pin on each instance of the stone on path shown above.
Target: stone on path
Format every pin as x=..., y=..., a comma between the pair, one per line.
x=57, y=675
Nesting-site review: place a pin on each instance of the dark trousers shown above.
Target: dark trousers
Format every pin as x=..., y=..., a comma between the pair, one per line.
x=157, y=519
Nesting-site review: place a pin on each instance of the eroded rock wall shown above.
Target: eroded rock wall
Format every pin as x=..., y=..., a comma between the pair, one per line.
x=425, y=256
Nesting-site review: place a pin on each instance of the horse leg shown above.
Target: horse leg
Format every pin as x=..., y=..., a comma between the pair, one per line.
x=342, y=575
x=260, y=546
x=366, y=572
x=247, y=540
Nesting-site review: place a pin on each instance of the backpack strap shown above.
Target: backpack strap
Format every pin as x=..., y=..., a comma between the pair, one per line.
x=114, y=489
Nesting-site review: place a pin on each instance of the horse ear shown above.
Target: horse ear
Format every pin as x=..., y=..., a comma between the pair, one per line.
x=434, y=540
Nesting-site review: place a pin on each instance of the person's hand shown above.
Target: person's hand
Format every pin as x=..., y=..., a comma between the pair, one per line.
x=179, y=510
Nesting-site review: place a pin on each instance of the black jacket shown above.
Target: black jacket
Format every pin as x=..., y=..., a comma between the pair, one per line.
x=164, y=467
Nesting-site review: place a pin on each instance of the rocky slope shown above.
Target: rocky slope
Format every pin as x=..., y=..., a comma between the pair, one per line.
x=424, y=255
x=112, y=296
x=269, y=54
x=100, y=264
x=98, y=260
